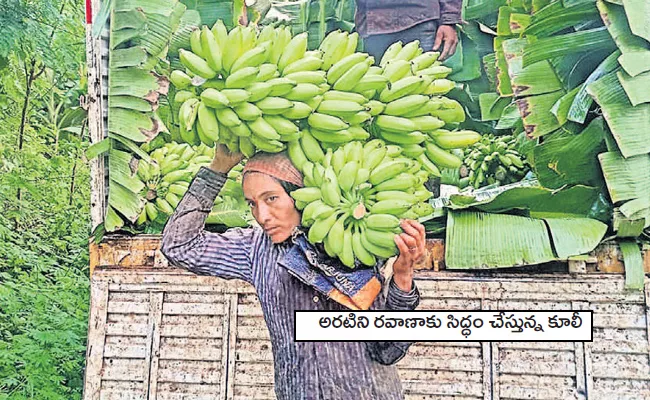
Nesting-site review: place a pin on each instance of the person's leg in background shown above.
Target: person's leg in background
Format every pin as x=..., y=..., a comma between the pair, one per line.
x=425, y=32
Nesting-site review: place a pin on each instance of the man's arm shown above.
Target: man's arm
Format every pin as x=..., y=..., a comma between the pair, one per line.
x=446, y=33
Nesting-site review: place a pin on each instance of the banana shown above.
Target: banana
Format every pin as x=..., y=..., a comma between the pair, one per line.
x=211, y=49
x=440, y=87
x=294, y=50
x=454, y=140
x=283, y=126
x=182, y=96
x=269, y=146
x=370, y=82
x=241, y=130
x=232, y=48
x=321, y=228
x=318, y=174
x=180, y=79
x=303, y=92
x=401, y=88
x=247, y=111
x=246, y=147
x=305, y=64
x=314, y=102
x=330, y=189
x=263, y=129
x=352, y=43
x=267, y=71
x=315, y=208
x=374, y=158
x=347, y=254
x=220, y=33
x=214, y=99
x=340, y=108
x=258, y=91
x=227, y=117
x=307, y=194
x=333, y=49
x=326, y=122
x=179, y=175
x=196, y=64
x=422, y=195
x=281, y=86
x=236, y=96
x=299, y=110
x=402, y=181
x=332, y=137
x=358, y=133
x=313, y=77
x=336, y=234
x=282, y=40
x=296, y=154
x=394, y=124
x=382, y=239
x=241, y=78
x=427, y=123
x=195, y=43
x=177, y=189
x=346, y=96
x=383, y=222
x=208, y=122
x=348, y=175
x=375, y=107
x=216, y=83
x=274, y=105
x=436, y=71
x=395, y=195
x=351, y=77
x=187, y=113
x=358, y=118
x=396, y=70
x=405, y=104
x=425, y=60
x=428, y=165
x=412, y=150
x=267, y=34
x=360, y=252
x=387, y=170
x=311, y=148
x=362, y=176
x=252, y=58
x=409, y=51
x=441, y=157
x=391, y=52
x=353, y=151
x=344, y=65
x=308, y=174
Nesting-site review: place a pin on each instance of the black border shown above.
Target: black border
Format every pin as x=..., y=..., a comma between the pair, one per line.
x=443, y=311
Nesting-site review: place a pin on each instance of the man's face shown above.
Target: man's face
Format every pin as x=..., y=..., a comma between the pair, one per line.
x=271, y=206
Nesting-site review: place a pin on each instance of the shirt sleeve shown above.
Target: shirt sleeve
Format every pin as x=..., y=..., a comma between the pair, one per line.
x=388, y=353
x=187, y=244
x=450, y=12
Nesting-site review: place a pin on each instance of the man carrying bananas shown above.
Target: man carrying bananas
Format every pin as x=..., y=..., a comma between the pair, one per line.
x=383, y=22
x=289, y=274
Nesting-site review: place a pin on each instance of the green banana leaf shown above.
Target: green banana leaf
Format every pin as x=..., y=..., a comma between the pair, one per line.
x=229, y=213
x=122, y=166
x=134, y=125
x=504, y=86
x=635, y=54
x=555, y=46
x=561, y=107
x=637, y=87
x=481, y=8
x=478, y=240
x=628, y=124
x=638, y=15
x=470, y=62
x=112, y=221
x=538, y=78
x=129, y=204
x=555, y=18
x=492, y=106
x=510, y=117
x=131, y=103
x=162, y=7
x=212, y=10
x=571, y=159
x=634, y=273
x=536, y=113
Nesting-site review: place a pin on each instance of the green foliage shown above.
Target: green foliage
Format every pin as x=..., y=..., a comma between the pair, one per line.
x=44, y=200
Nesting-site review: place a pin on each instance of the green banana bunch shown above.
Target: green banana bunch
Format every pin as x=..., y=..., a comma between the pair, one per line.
x=355, y=195
x=493, y=160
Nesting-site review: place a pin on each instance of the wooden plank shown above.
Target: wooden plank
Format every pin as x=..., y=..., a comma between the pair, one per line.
x=122, y=390
x=535, y=362
x=438, y=376
x=186, y=391
x=495, y=365
x=515, y=387
x=125, y=329
x=192, y=326
x=443, y=363
x=125, y=347
x=124, y=369
x=206, y=349
x=193, y=309
x=607, y=340
x=428, y=397
x=647, y=313
x=436, y=388
x=96, y=337
x=254, y=392
x=127, y=307
x=624, y=321
x=196, y=297
x=232, y=320
x=203, y=372
x=254, y=351
x=622, y=366
x=94, y=107
x=608, y=388
x=128, y=297
x=153, y=343
x=429, y=301
x=251, y=374
x=581, y=379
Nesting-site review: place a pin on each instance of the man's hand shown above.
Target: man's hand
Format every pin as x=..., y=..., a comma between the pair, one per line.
x=448, y=35
x=224, y=160
x=412, y=250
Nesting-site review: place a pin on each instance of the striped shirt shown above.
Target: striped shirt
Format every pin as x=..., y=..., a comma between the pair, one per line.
x=303, y=370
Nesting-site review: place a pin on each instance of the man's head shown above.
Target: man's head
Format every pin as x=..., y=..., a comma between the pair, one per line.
x=267, y=180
